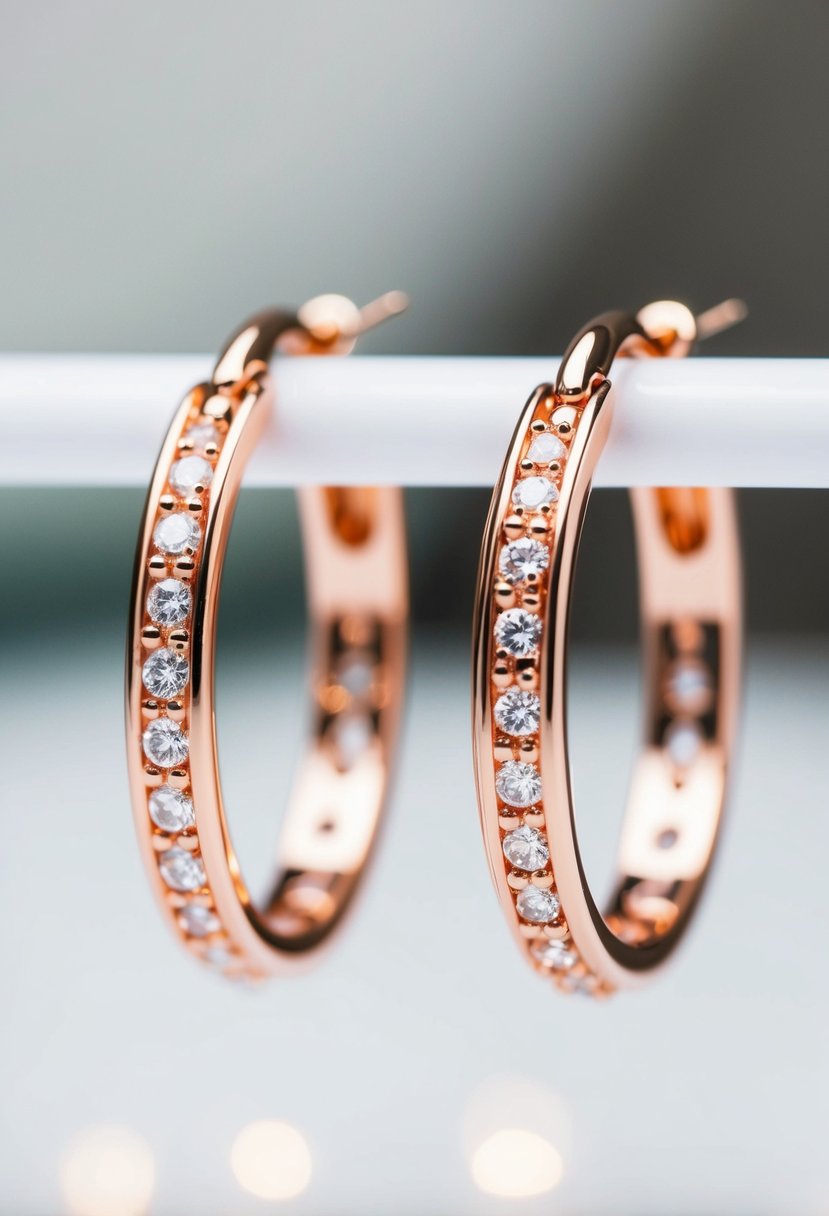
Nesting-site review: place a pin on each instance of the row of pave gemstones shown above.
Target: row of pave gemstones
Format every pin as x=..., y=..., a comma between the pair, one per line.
x=519, y=593
x=165, y=674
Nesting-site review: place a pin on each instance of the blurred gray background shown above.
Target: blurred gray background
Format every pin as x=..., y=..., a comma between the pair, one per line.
x=516, y=167
x=169, y=168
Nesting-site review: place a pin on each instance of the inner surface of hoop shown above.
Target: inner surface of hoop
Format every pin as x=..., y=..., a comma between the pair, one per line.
x=355, y=566
x=689, y=652
x=356, y=579
x=688, y=562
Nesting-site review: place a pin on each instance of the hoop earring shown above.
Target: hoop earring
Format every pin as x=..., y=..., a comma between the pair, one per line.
x=355, y=553
x=689, y=577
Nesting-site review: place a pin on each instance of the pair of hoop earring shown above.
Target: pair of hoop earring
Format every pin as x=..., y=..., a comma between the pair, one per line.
x=355, y=555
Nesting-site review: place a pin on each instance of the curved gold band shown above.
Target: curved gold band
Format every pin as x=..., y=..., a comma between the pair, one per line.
x=689, y=575
x=355, y=554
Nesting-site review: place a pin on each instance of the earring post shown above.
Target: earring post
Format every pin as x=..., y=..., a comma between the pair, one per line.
x=720, y=317
x=335, y=322
x=386, y=306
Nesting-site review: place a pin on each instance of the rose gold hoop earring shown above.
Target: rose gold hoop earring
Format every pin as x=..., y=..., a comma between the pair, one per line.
x=689, y=579
x=355, y=554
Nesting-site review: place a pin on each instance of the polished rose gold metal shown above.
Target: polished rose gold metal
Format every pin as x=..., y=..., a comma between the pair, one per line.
x=689, y=581
x=355, y=555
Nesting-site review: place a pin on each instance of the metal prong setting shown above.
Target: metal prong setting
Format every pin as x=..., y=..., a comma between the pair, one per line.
x=167, y=624
x=528, y=533
x=689, y=606
x=355, y=554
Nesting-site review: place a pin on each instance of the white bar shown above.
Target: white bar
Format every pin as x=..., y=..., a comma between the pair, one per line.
x=99, y=420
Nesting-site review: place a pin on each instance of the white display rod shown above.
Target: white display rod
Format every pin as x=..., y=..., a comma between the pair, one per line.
x=99, y=419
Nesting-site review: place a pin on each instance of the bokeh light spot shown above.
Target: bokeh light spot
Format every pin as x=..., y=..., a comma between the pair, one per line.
x=107, y=1171
x=516, y=1164
x=271, y=1160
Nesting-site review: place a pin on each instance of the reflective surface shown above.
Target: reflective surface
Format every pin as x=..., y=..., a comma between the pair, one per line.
x=356, y=574
x=404, y=1025
x=688, y=567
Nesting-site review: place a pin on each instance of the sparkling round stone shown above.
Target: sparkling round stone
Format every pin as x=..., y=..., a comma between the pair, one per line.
x=583, y=985
x=688, y=687
x=534, y=492
x=201, y=434
x=546, y=448
x=218, y=956
x=351, y=734
x=190, y=474
x=517, y=712
x=198, y=921
x=165, y=673
x=171, y=810
x=518, y=632
x=169, y=602
x=683, y=742
x=175, y=533
x=556, y=955
x=165, y=743
x=355, y=675
x=518, y=784
x=526, y=849
x=521, y=559
x=538, y=906
x=181, y=870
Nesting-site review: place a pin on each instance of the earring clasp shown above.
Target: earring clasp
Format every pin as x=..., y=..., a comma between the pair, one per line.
x=334, y=322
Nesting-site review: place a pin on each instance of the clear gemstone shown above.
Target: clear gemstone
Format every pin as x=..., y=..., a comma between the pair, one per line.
x=181, y=870
x=534, y=492
x=169, y=602
x=583, y=985
x=526, y=849
x=165, y=743
x=189, y=474
x=198, y=921
x=518, y=784
x=556, y=955
x=688, y=687
x=517, y=712
x=165, y=673
x=546, y=448
x=201, y=434
x=175, y=533
x=218, y=956
x=537, y=905
x=171, y=810
x=352, y=734
x=521, y=559
x=683, y=741
x=518, y=632
x=355, y=675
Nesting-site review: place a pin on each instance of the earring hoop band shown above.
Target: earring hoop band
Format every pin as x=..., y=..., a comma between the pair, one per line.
x=689, y=579
x=355, y=556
